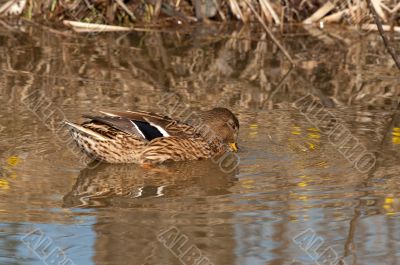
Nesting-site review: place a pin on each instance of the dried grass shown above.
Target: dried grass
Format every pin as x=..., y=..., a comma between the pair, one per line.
x=165, y=12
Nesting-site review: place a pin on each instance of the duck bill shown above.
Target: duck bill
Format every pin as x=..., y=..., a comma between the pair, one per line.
x=233, y=147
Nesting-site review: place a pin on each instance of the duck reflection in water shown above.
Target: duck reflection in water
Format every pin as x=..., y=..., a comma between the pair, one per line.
x=122, y=184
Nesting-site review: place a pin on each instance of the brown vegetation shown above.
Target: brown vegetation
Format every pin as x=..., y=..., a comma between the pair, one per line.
x=172, y=12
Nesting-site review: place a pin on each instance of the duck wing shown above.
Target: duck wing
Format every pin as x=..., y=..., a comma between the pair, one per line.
x=119, y=123
x=146, y=125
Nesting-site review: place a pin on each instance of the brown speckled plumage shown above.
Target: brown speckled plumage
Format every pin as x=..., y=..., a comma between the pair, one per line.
x=143, y=137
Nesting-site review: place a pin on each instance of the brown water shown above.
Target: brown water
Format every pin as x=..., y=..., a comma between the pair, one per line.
x=293, y=195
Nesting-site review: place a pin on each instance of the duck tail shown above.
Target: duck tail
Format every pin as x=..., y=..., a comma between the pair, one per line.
x=87, y=140
x=80, y=131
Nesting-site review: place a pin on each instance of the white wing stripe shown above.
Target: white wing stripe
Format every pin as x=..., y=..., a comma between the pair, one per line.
x=161, y=130
x=107, y=113
x=137, y=128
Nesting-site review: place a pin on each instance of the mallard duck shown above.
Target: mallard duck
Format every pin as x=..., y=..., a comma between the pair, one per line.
x=148, y=138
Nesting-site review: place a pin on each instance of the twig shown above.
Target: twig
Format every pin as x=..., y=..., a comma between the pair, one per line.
x=395, y=9
x=265, y=4
x=157, y=8
x=382, y=33
x=270, y=33
x=12, y=7
x=349, y=244
x=91, y=27
x=170, y=11
x=320, y=13
x=282, y=82
x=336, y=17
x=384, y=27
x=124, y=7
x=236, y=10
x=8, y=27
x=220, y=12
x=378, y=9
x=43, y=27
x=89, y=5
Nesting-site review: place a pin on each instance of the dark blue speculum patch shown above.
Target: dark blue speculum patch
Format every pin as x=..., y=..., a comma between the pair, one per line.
x=150, y=132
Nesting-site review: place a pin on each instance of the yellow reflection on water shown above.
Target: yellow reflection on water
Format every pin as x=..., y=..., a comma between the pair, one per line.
x=253, y=130
x=389, y=205
x=247, y=183
x=314, y=135
x=311, y=139
x=303, y=198
x=311, y=146
x=396, y=135
x=302, y=184
x=304, y=181
x=4, y=184
x=13, y=160
x=296, y=130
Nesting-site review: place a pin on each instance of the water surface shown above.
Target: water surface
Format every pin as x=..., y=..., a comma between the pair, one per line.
x=292, y=187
